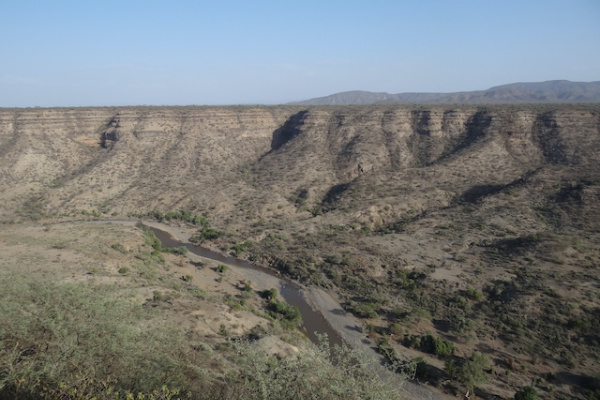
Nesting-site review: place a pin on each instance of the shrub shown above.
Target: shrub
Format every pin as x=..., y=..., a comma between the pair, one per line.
x=473, y=294
x=470, y=372
x=241, y=247
x=423, y=371
x=182, y=215
x=51, y=332
x=269, y=294
x=124, y=270
x=221, y=268
x=438, y=346
x=206, y=233
x=92, y=389
x=526, y=393
x=119, y=247
x=286, y=313
x=182, y=250
x=412, y=341
x=396, y=328
x=430, y=344
x=364, y=310
x=247, y=287
x=152, y=241
x=328, y=372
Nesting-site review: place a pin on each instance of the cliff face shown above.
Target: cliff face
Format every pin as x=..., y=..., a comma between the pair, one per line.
x=87, y=157
x=133, y=159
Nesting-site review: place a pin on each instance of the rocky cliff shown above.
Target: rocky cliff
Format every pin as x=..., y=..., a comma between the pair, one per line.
x=133, y=159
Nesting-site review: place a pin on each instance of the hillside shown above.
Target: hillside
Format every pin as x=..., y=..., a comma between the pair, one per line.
x=516, y=93
x=475, y=225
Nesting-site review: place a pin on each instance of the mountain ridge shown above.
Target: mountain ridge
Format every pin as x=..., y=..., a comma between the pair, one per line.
x=554, y=91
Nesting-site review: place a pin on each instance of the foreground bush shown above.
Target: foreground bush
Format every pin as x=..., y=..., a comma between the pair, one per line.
x=54, y=333
x=310, y=375
x=71, y=341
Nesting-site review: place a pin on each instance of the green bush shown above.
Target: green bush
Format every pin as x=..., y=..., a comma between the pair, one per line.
x=395, y=328
x=311, y=375
x=124, y=270
x=221, y=268
x=152, y=241
x=430, y=344
x=269, y=294
x=119, y=247
x=182, y=215
x=527, y=393
x=241, y=247
x=412, y=341
x=246, y=288
x=206, y=233
x=92, y=389
x=473, y=294
x=287, y=314
x=437, y=346
x=470, y=372
x=364, y=310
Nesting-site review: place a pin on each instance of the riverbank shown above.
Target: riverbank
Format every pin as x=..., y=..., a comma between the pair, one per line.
x=325, y=303
x=327, y=313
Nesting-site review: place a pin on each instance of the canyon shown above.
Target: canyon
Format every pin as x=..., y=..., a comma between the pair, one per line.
x=476, y=224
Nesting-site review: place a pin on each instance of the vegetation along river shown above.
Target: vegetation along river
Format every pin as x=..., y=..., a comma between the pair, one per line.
x=313, y=321
x=321, y=313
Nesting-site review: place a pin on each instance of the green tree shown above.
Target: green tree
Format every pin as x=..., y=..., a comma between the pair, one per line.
x=470, y=372
x=527, y=393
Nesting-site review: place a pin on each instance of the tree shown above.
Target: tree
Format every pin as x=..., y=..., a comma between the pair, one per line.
x=470, y=372
x=527, y=393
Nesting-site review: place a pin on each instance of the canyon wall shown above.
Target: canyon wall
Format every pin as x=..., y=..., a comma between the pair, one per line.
x=208, y=158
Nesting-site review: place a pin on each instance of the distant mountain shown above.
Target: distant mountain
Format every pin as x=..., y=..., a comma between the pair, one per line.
x=535, y=92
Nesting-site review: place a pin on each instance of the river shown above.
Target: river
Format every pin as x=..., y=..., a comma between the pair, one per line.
x=321, y=312
x=313, y=321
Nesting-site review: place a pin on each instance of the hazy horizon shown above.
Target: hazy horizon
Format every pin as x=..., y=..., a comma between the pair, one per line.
x=70, y=53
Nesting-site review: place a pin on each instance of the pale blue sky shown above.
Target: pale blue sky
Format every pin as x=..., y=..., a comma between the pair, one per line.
x=130, y=52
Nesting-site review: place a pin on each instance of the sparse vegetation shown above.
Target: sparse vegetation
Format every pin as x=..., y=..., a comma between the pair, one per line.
x=119, y=247
x=475, y=225
x=84, y=341
x=51, y=333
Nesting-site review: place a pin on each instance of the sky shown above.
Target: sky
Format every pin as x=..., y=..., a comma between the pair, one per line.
x=130, y=52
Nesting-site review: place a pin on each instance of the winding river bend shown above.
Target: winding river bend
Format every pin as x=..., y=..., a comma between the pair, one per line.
x=313, y=321
x=321, y=314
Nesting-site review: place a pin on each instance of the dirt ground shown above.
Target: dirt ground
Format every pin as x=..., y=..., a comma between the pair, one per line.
x=105, y=254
